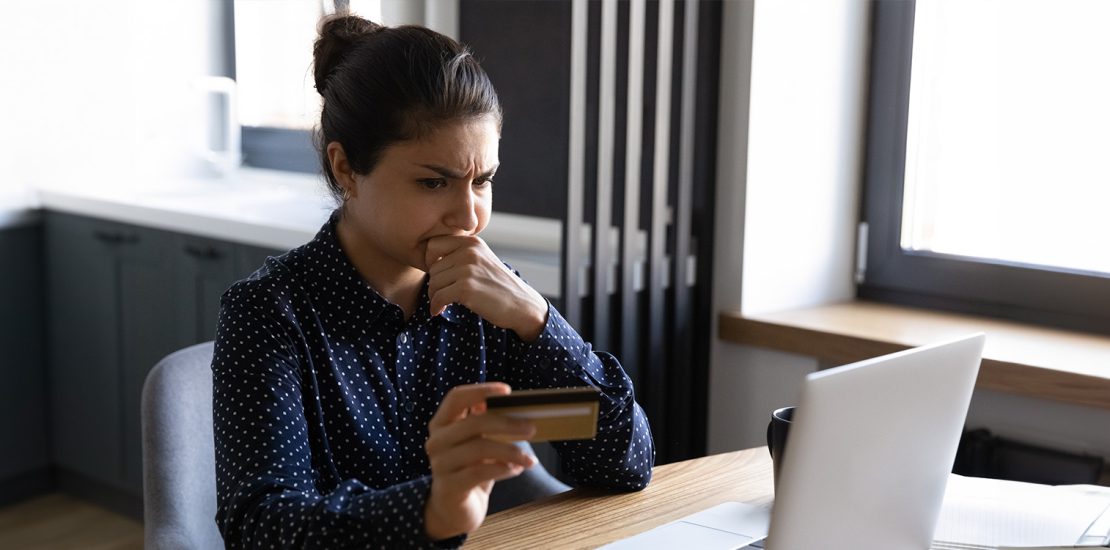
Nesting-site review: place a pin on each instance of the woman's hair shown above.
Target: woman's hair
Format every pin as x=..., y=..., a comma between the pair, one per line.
x=382, y=85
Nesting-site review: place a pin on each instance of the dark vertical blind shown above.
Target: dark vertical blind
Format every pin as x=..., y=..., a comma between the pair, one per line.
x=638, y=286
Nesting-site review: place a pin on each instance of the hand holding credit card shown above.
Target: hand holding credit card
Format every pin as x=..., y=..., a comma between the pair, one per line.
x=559, y=414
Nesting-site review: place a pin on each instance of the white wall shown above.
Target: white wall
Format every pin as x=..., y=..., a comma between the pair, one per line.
x=795, y=175
x=789, y=174
x=1051, y=424
x=99, y=87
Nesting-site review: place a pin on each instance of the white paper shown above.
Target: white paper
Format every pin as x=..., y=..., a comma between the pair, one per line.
x=726, y=526
x=680, y=534
x=995, y=513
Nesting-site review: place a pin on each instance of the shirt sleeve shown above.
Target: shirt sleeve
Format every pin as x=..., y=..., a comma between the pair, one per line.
x=622, y=455
x=269, y=490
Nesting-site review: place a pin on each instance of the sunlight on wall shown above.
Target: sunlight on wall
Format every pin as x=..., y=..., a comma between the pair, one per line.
x=103, y=88
x=794, y=173
x=804, y=150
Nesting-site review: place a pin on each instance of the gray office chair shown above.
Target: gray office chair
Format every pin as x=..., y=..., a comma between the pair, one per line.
x=179, y=471
x=179, y=461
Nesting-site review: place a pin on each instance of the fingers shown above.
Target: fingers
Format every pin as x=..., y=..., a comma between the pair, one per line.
x=451, y=259
x=443, y=246
x=457, y=432
x=450, y=490
x=462, y=277
x=464, y=462
x=481, y=473
x=478, y=427
x=477, y=452
x=457, y=502
x=444, y=292
x=458, y=402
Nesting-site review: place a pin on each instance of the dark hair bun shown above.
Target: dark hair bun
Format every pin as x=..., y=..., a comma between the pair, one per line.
x=384, y=85
x=338, y=35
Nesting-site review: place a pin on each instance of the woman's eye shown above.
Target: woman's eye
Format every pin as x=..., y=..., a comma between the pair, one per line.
x=433, y=183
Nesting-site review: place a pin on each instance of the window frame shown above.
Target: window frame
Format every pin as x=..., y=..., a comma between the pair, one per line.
x=268, y=147
x=1043, y=295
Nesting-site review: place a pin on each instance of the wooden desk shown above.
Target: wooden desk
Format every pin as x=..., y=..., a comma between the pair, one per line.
x=586, y=518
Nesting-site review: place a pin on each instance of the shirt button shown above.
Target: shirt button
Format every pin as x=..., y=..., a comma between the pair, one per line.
x=404, y=338
x=410, y=406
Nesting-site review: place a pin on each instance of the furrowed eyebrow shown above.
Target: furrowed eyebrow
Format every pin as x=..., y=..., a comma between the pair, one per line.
x=449, y=173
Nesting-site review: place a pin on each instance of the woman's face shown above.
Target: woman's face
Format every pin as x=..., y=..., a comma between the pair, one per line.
x=435, y=186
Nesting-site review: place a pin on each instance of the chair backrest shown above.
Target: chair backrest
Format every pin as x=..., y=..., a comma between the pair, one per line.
x=179, y=461
x=179, y=470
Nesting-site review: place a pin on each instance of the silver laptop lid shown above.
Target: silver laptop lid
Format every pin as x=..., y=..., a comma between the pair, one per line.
x=871, y=447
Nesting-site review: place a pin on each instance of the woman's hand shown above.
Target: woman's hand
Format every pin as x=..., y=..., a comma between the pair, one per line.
x=465, y=463
x=463, y=270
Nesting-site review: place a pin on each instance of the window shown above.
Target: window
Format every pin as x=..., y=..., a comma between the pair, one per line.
x=278, y=104
x=987, y=171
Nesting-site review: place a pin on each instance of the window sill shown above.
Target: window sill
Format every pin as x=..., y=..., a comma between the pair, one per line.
x=1023, y=359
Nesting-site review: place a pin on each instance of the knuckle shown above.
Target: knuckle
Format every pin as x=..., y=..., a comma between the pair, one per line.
x=435, y=463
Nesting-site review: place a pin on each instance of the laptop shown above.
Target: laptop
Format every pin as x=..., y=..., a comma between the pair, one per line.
x=869, y=453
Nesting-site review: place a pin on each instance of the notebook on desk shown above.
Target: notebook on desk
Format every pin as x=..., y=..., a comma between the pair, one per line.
x=870, y=450
x=992, y=513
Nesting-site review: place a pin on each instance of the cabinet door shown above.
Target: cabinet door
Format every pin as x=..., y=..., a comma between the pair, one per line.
x=84, y=342
x=148, y=327
x=120, y=299
x=23, y=397
x=249, y=258
x=205, y=269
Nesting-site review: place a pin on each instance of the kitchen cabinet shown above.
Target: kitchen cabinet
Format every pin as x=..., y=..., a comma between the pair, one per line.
x=110, y=314
x=121, y=297
x=206, y=267
x=249, y=258
x=25, y=459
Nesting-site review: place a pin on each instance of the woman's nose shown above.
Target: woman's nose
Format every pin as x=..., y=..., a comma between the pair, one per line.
x=463, y=214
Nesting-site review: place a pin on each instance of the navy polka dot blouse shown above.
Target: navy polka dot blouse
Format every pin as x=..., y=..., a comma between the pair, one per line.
x=323, y=393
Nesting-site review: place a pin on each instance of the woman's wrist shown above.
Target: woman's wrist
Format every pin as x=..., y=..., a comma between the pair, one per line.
x=534, y=319
x=436, y=527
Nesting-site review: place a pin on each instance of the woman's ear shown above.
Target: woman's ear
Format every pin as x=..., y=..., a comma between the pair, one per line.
x=341, y=169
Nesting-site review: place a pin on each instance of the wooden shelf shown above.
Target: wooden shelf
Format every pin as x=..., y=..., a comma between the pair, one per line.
x=1022, y=359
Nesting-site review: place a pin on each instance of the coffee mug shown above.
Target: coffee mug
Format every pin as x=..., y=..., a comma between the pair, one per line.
x=777, y=430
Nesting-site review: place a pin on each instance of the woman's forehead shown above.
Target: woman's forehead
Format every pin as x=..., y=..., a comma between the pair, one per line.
x=464, y=147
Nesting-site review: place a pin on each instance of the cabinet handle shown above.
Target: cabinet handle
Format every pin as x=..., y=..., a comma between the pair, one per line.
x=203, y=252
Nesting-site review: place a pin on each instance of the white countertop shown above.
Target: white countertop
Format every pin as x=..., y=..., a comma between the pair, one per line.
x=18, y=207
x=260, y=208
x=265, y=208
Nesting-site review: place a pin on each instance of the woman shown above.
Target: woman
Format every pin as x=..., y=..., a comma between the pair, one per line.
x=350, y=373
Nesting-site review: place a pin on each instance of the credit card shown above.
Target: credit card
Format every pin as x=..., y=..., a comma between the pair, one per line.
x=559, y=414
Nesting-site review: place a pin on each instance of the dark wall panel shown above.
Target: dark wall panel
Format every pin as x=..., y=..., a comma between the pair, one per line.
x=524, y=45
